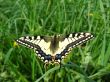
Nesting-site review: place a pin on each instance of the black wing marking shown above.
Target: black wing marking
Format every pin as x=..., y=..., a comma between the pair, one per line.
x=71, y=41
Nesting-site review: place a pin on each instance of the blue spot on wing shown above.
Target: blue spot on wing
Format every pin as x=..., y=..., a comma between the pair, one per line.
x=58, y=56
x=48, y=57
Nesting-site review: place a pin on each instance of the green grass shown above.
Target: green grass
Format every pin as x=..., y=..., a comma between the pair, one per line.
x=48, y=17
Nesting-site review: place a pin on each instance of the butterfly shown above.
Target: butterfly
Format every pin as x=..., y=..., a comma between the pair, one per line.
x=54, y=48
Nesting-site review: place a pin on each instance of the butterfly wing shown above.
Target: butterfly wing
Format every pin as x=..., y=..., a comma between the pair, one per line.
x=70, y=41
x=40, y=44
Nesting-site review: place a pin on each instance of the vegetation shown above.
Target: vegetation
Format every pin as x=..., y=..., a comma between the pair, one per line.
x=90, y=63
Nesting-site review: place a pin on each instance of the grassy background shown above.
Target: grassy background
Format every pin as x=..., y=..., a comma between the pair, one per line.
x=47, y=17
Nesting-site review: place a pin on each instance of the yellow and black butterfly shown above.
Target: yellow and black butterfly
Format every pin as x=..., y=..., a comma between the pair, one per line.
x=54, y=48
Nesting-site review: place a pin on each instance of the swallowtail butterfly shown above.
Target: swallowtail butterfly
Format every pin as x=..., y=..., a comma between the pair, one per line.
x=54, y=48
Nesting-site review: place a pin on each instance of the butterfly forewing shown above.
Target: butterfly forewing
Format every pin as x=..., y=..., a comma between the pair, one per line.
x=40, y=46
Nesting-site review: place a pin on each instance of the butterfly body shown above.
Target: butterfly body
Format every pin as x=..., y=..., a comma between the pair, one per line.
x=54, y=44
x=54, y=48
